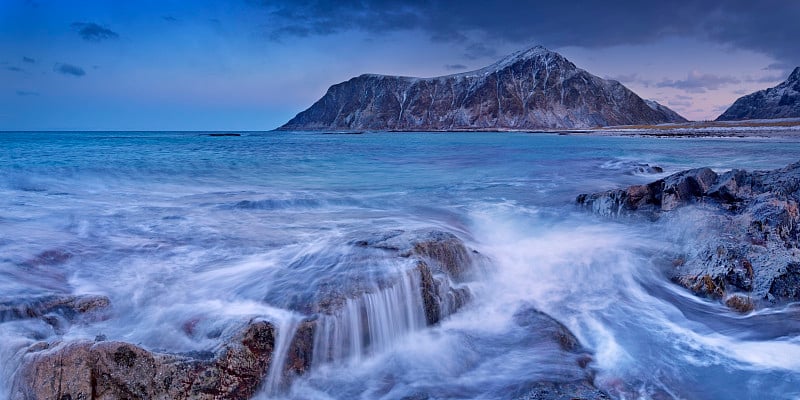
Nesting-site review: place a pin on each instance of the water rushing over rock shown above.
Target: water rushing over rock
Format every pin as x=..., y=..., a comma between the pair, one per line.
x=269, y=355
x=433, y=257
x=745, y=251
x=371, y=323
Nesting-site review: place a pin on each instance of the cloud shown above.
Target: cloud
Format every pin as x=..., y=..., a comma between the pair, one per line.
x=680, y=103
x=455, y=67
x=169, y=18
x=69, y=69
x=766, y=79
x=767, y=26
x=28, y=60
x=475, y=51
x=778, y=67
x=94, y=32
x=721, y=109
x=15, y=69
x=697, y=82
x=23, y=93
x=624, y=78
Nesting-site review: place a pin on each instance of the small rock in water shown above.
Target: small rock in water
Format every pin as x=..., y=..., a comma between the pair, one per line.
x=67, y=306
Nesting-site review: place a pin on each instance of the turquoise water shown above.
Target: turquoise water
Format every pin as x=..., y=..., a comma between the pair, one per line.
x=178, y=227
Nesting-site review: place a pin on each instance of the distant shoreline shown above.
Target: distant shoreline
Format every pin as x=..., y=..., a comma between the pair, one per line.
x=787, y=128
x=778, y=128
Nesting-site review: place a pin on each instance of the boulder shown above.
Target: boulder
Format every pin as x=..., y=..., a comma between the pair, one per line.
x=544, y=328
x=117, y=370
x=442, y=261
x=745, y=251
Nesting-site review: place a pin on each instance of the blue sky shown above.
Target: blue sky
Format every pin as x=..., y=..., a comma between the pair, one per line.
x=252, y=65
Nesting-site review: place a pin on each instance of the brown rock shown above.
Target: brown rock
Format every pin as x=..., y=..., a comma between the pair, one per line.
x=116, y=370
x=66, y=305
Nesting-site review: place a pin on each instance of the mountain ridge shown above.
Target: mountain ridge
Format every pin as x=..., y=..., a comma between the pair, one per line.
x=781, y=101
x=530, y=89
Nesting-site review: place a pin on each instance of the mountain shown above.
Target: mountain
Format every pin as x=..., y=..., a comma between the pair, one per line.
x=782, y=101
x=531, y=89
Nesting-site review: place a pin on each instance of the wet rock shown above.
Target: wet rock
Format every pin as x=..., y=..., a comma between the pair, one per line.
x=66, y=306
x=564, y=391
x=438, y=298
x=104, y=369
x=740, y=303
x=447, y=251
x=787, y=285
x=544, y=328
x=442, y=261
x=647, y=169
x=548, y=327
x=652, y=199
x=116, y=370
x=747, y=242
x=301, y=352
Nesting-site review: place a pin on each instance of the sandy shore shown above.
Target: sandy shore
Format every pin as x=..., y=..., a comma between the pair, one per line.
x=788, y=128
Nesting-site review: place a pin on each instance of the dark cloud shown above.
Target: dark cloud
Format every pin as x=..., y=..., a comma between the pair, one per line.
x=778, y=67
x=94, y=32
x=15, y=69
x=766, y=79
x=69, y=69
x=23, y=93
x=455, y=67
x=28, y=60
x=766, y=26
x=169, y=18
x=479, y=50
x=697, y=82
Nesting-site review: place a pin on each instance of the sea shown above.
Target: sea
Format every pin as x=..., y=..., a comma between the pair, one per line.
x=188, y=233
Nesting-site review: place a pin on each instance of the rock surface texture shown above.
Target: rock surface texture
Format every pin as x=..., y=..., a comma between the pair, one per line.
x=743, y=239
x=532, y=89
x=116, y=370
x=782, y=101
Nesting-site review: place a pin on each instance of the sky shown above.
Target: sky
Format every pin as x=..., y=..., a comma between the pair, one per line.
x=252, y=65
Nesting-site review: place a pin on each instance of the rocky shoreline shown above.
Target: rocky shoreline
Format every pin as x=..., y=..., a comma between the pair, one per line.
x=743, y=238
x=239, y=367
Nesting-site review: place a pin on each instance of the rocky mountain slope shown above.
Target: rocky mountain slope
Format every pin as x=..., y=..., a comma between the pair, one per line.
x=532, y=89
x=782, y=101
